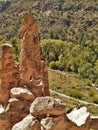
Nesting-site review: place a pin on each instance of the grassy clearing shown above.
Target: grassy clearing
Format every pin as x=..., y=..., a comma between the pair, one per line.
x=74, y=86
x=71, y=104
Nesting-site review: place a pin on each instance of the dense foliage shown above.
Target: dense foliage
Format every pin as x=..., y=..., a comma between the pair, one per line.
x=4, y=5
x=69, y=20
x=78, y=58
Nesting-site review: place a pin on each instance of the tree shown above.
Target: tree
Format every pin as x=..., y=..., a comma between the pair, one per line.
x=16, y=48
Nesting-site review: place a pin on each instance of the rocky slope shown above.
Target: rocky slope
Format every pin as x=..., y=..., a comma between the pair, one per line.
x=25, y=102
x=74, y=20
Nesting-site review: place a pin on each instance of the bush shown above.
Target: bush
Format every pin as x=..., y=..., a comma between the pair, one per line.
x=77, y=58
x=95, y=99
x=53, y=65
x=92, y=93
x=76, y=94
x=16, y=48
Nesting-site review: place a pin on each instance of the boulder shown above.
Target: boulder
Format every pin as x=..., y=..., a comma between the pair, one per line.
x=46, y=105
x=28, y=123
x=79, y=116
x=22, y=93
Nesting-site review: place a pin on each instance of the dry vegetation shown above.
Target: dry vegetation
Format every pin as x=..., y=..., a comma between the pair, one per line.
x=74, y=20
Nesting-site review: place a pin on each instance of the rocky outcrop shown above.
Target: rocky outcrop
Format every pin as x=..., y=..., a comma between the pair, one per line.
x=9, y=73
x=79, y=116
x=30, y=50
x=47, y=106
x=22, y=93
x=32, y=65
x=25, y=103
x=28, y=123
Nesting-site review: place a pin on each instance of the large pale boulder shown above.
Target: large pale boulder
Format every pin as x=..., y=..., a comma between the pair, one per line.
x=47, y=105
x=28, y=123
x=79, y=116
x=22, y=93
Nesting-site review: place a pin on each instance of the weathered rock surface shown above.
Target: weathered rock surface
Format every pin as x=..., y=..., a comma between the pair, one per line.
x=4, y=124
x=94, y=123
x=17, y=110
x=79, y=116
x=9, y=73
x=30, y=50
x=44, y=73
x=22, y=93
x=28, y=123
x=38, y=87
x=62, y=123
x=46, y=105
x=31, y=65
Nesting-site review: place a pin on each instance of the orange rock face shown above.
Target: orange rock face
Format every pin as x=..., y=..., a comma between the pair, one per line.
x=30, y=50
x=9, y=73
x=31, y=66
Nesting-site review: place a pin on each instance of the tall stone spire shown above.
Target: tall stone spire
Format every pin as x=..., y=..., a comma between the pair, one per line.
x=31, y=65
x=9, y=73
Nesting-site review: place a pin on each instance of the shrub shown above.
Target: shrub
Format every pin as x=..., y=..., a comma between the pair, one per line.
x=53, y=65
x=92, y=92
x=76, y=94
x=95, y=99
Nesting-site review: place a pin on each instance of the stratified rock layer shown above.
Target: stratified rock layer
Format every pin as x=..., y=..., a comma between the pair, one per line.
x=25, y=103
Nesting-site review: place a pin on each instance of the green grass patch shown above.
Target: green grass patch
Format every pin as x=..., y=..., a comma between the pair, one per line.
x=75, y=86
